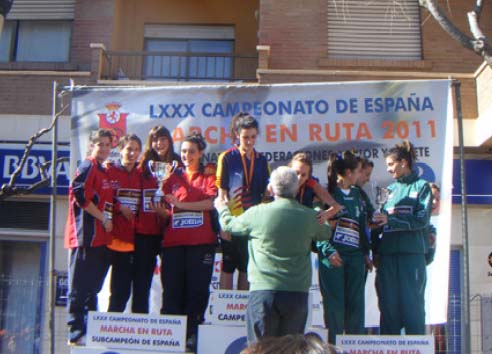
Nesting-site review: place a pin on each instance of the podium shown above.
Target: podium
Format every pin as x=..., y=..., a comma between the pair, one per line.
x=225, y=329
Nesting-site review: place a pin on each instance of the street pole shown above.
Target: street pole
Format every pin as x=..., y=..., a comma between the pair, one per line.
x=52, y=243
x=466, y=336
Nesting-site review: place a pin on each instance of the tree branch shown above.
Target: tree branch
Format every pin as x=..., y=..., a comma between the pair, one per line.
x=9, y=188
x=481, y=47
x=478, y=43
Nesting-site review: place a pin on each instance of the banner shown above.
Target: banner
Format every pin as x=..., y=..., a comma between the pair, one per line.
x=136, y=331
x=318, y=118
x=386, y=344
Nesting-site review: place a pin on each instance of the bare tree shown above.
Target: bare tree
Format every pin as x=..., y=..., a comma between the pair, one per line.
x=478, y=43
x=10, y=189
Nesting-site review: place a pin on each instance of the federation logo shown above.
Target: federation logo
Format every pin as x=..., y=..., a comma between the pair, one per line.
x=425, y=172
x=236, y=346
x=114, y=120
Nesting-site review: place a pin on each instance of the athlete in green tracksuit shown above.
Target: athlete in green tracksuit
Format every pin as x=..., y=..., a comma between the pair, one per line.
x=401, y=274
x=342, y=288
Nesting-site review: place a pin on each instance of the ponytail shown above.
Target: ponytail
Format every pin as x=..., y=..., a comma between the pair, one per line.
x=338, y=164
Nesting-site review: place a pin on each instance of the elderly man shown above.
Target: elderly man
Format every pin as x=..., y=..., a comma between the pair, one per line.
x=279, y=269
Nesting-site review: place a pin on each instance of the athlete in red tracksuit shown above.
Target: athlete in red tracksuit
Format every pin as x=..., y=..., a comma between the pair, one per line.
x=126, y=181
x=189, y=240
x=87, y=232
x=148, y=234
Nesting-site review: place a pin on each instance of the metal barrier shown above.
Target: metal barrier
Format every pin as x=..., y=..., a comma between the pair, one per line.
x=24, y=317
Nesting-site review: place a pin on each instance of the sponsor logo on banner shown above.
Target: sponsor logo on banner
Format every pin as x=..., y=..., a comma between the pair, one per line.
x=135, y=331
x=387, y=344
x=228, y=307
x=11, y=156
x=425, y=171
x=114, y=120
x=237, y=346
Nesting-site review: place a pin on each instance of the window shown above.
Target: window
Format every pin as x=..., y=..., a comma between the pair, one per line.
x=35, y=41
x=30, y=215
x=21, y=285
x=377, y=29
x=170, y=53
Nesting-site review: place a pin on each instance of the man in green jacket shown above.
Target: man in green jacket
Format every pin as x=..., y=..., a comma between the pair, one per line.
x=279, y=269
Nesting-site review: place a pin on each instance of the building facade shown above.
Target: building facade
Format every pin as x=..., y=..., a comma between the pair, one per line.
x=149, y=42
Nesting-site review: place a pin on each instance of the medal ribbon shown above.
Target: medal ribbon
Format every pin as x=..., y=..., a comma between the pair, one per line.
x=248, y=174
x=301, y=193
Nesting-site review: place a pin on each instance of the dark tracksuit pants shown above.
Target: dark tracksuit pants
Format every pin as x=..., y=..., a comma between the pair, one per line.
x=343, y=296
x=186, y=274
x=87, y=269
x=400, y=283
x=147, y=247
x=122, y=276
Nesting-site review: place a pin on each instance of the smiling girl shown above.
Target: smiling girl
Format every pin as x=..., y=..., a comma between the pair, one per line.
x=401, y=275
x=148, y=234
x=126, y=182
x=189, y=243
x=88, y=232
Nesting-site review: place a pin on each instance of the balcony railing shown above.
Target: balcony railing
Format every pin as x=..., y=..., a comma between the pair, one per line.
x=178, y=66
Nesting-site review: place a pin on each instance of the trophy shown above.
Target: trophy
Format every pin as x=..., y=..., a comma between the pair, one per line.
x=380, y=195
x=161, y=171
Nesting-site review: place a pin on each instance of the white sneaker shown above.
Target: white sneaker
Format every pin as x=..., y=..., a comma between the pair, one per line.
x=80, y=342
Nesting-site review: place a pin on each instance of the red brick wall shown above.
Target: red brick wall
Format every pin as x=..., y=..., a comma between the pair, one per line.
x=93, y=23
x=30, y=94
x=296, y=31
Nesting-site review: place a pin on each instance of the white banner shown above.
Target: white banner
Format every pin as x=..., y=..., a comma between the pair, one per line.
x=136, y=331
x=228, y=307
x=387, y=344
x=319, y=118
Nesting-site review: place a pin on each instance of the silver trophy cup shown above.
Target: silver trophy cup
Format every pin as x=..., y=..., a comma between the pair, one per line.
x=380, y=195
x=161, y=171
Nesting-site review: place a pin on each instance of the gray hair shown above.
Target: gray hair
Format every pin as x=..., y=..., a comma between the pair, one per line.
x=284, y=182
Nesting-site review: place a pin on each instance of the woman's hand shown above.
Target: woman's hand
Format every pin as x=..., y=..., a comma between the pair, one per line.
x=126, y=212
x=160, y=209
x=171, y=199
x=378, y=220
x=226, y=236
x=220, y=203
x=323, y=216
x=368, y=262
x=107, y=224
x=335, y=259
